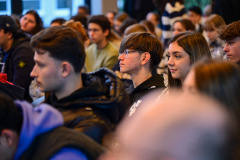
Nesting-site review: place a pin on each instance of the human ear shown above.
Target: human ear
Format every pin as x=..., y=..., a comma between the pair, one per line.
x=9, y=35
x=106, y=32
x=145, y=57
x=66, y=69
x=8, y=138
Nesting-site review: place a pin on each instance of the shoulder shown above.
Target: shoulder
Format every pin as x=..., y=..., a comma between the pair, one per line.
x=69, y=153
x=91, y=47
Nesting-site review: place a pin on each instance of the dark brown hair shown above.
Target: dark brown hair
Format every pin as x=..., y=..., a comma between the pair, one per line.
x=63, y=43
x=39, y=23
x=230, y=31
x=144, y=42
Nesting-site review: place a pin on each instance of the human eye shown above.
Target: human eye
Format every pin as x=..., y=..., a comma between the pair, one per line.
x=177, y=56
x=31, y=21
x=40, y=65
x=230, y=42
x=168, y=56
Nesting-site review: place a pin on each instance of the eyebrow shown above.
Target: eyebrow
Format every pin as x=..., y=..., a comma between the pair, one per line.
x=175, y=52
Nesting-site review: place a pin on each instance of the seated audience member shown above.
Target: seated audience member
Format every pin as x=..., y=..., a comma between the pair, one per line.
x=77, y=26
x=217, y=79
x=182, y=25
x=211, y=27
x=111, y=15
x=138, y=54
x=81, y=19
x=127, y=22
x=118, y=20
x=154, y=18
x=90, y=103
x=114, y=38
x=101, y=53
x=16, y=53
x=176, y=127
x=126, y=79
x=37, y=133
x=149, y=26
x=31, y=23
x=179, y=26
x=57, y=22
x=184, y=50
x=83, y=10
x=231, y=35
x=135, y=28
x=195, y=16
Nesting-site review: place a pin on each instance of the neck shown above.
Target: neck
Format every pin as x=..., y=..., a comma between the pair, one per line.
x=182, y=80
x=7, y=45
x=141, y=76
x=102, y=44
x=72, y=83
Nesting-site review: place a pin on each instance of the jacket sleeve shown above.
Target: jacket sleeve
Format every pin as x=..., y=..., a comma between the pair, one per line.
x=23, y=65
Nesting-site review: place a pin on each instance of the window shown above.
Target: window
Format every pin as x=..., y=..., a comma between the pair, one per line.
x=63, y=4
x=3, y=5
x=31, y=4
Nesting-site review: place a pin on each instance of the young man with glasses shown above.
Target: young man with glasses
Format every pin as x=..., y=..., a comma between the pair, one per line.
x=101, y=53
x=138, y=55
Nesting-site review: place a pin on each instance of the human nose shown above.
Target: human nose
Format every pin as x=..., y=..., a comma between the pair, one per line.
x=226, y=49
x=175, y=33
x=170, y=61
x=121, y=56
x=34, y=72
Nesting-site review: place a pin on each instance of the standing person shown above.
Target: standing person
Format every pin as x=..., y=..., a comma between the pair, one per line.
x=174, y=10
x=37, y=133
x=195, y=16
x=184, y=50
x=90, y=103
x=139, y=53
x=17, y=54
x=31, y=23
x=211, y=27
x=101, y=53
x=231, y=35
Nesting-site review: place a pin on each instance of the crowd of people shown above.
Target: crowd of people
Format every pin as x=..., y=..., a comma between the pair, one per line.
x=114, y=87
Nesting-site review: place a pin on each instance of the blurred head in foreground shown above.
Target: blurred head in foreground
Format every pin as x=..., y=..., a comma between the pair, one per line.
x=189, y=127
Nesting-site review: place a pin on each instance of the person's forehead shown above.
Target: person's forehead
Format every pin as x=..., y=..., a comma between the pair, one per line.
x=94, y=25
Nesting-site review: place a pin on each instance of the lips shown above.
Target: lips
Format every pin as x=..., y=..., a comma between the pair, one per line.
x=172, y=70
x=121, y=64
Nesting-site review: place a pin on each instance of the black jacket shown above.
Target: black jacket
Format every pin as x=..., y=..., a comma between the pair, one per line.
x=13, y=91
x=154, y=82
x=19, y=64
x=96, y=108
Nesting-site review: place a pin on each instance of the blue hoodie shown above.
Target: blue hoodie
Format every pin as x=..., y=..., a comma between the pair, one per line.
x=39, y=120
